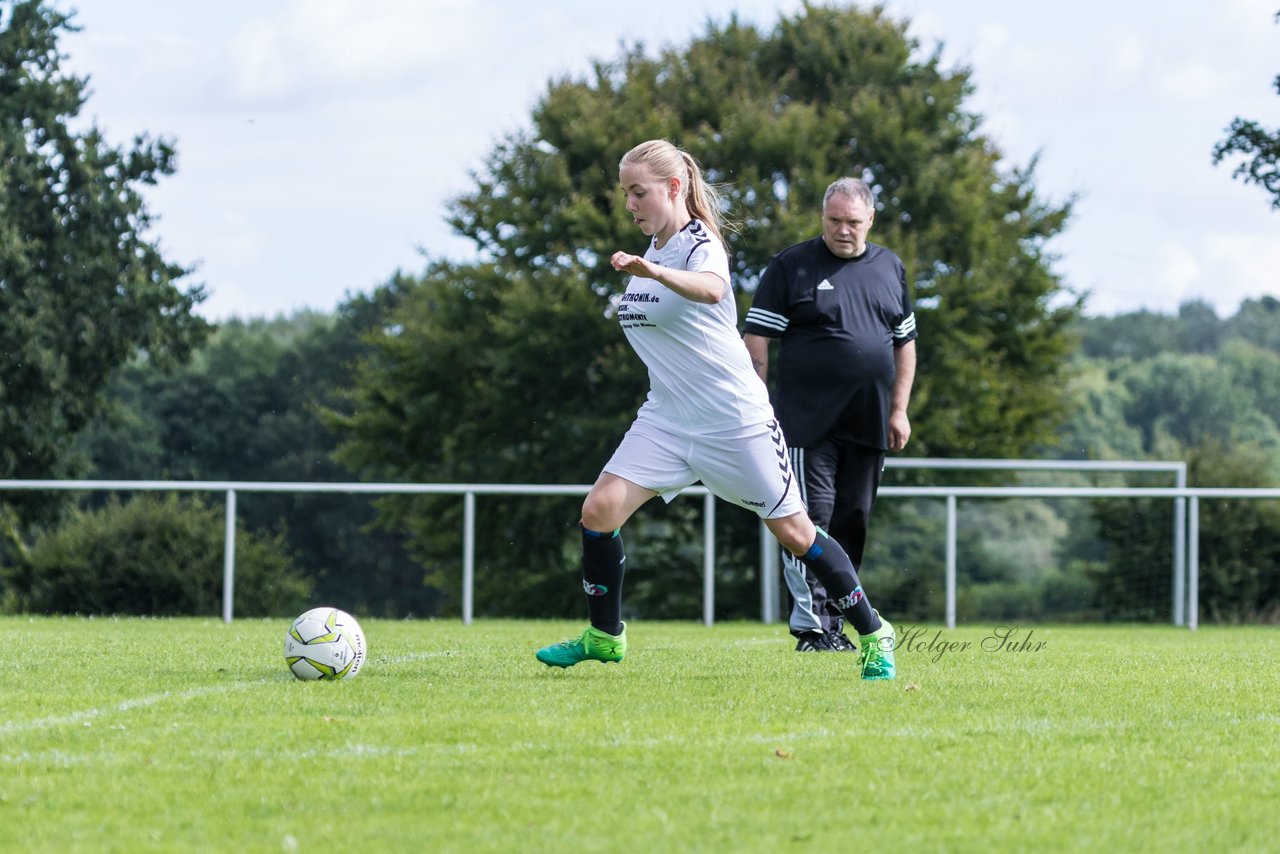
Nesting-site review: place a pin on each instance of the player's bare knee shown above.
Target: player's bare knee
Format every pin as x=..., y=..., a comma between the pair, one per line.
x=795, y=533
x=597, y=515
x=795, y=544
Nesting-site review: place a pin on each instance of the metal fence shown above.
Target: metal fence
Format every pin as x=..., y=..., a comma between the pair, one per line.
x=1186, y=534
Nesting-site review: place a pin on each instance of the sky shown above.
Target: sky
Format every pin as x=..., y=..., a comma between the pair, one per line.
x=321, y=141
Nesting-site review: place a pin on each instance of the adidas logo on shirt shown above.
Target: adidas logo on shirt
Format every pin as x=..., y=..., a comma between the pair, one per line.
x=826, y=286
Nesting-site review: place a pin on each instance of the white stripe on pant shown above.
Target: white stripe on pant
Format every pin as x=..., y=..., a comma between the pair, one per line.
x=802, y=618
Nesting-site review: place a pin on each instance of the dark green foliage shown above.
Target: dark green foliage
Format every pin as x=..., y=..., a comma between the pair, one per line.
x=82, y=290
x=1097, y=427
x=1005, y=565
x=513, y=370
x=1197, y=380
x=486, y=378
x=1239, y=544
x=1191, y=400
x=1207, y=391
x=1068, y=595
x=1258, y=322
x=153, y=556
x=1195, y=329
x=250, y=407
x=1239, y=538
x=904, y=571
x=1260, y=147
x=1136, y=580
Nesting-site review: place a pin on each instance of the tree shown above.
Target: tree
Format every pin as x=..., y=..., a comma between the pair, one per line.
x=250, y=406
x=512, y=368
x=1238, y=543
x=1097, y=428
x=155, y=556
x=776, y=117
x=82, y=290
x=1183, y=401
x=1200, y=390
x=1196, y=328
x=1258, y=321
x=1262, y=146
x=1133, y=335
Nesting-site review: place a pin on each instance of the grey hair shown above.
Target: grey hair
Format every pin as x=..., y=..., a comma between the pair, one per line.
x=851, y=187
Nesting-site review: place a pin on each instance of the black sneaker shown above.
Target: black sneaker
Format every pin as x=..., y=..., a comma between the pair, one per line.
x=839, y=642
x=813, y=642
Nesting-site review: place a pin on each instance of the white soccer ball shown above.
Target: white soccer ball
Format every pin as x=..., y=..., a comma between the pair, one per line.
x=324, y=643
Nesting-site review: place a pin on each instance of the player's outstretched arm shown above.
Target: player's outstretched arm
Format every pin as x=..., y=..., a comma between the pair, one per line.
x=705, y=288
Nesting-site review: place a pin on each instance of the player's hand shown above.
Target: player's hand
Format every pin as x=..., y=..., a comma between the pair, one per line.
x=635, y=265
x=899, y=431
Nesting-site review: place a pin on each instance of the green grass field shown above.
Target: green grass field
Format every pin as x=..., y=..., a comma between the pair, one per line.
x=191, y=735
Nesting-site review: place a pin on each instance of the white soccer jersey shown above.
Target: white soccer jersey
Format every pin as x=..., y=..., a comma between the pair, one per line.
x=700, y=374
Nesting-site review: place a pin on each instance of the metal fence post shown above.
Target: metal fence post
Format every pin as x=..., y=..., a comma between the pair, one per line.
x=468, y=556
x=951, y=561
x=229, y=558
x=1180, y=550
x=768, y=575
x=1193, y=558
x=709, y=559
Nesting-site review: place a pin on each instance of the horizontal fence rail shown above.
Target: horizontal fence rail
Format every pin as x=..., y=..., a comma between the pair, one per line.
x=1186, y=518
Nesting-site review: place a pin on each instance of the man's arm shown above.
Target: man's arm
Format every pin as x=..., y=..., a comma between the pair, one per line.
x=904, y=363
x=758, y=347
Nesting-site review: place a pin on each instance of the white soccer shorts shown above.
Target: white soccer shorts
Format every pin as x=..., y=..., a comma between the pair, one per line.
x=748, y=466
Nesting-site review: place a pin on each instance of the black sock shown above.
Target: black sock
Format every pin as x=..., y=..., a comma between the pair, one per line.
x=831, y=564
x=603, y=563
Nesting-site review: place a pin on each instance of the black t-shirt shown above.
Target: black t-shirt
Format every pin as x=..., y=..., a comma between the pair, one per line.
x=839, y=321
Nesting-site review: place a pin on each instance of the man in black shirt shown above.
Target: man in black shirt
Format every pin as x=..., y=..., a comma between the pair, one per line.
x=846, y=361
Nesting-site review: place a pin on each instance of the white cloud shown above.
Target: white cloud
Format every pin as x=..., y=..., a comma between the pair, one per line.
x=1178, y=268
x=1127, y=56
x=317, y=44
x=1249, y=13
x=992, y=39
x=1221, y=269
x=337, y=130
x=1237, y=267
x=1192, y=81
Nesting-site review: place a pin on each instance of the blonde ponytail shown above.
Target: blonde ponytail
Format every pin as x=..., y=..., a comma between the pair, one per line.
x=701, y=199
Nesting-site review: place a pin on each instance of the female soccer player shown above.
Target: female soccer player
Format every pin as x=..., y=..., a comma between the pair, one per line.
x=707, y=416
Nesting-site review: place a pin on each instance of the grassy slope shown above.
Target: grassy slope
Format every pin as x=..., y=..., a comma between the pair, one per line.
x=136, y=735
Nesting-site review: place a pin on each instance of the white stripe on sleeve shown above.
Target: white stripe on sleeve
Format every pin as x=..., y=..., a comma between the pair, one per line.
x=906, y=327
x=767, y=319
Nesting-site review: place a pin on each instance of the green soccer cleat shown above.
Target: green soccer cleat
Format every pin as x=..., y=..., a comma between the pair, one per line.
x=591, y=645
x=876, y=657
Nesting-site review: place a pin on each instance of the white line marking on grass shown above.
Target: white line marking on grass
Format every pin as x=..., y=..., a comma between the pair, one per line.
x=413, y=656
x=86, y=717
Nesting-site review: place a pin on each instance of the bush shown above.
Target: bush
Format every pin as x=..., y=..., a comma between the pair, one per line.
x=1069, y=595
x=997, y=600
x=152, y=556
